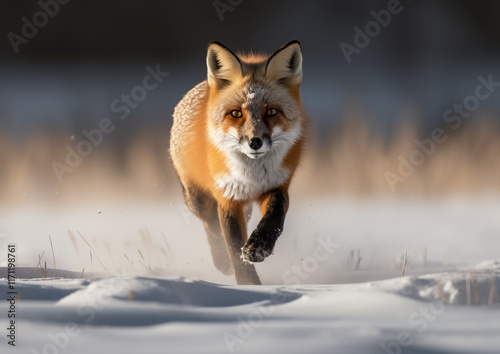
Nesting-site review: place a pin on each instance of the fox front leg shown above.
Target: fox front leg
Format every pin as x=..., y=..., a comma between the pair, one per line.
x=233, y=226
x=260, y=245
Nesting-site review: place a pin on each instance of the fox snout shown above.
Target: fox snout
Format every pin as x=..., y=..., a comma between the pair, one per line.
x=255, y=147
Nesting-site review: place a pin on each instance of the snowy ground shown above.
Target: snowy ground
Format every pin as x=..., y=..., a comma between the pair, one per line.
x=333, y=285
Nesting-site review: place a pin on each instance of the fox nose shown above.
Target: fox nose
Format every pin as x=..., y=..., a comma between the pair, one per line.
x=255, y=143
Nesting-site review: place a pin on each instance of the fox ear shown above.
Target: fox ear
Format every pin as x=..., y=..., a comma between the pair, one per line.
x=285, y=66
x=222, y=64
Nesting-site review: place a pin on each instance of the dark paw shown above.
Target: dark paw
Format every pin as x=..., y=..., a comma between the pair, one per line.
x=256, y=249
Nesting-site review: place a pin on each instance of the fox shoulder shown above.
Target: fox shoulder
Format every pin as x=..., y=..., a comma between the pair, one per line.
x=185, y=113
x=191, y=103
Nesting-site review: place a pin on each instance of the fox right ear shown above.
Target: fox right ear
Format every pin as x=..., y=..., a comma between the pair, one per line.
x=285, y=66
x=222, y=64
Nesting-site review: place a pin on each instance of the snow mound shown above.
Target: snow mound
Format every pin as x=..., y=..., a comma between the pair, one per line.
x=48, y=289
x=177, y=291
x=451, y=287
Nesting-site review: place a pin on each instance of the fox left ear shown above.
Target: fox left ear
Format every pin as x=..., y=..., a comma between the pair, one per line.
x=223, y=65
x=285, y=66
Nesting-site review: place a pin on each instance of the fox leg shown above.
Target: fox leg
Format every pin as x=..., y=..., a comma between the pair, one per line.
x=217, y=244
x=204, y=206
x=233, y=225
x=260, y=245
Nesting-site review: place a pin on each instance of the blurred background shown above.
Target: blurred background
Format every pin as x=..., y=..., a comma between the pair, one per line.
x=372, y=86
x=365, y=113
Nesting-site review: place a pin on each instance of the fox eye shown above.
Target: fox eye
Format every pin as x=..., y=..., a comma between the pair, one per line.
x=271, y=112
x=236, y=114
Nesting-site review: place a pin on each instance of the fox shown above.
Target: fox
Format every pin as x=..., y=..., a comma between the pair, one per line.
x=236, y=140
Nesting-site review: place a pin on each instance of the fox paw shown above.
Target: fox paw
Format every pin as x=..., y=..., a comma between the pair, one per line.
x=256, y=250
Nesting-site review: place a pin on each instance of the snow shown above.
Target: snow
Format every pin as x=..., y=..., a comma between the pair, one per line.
x=193, y=316
x=317, y=297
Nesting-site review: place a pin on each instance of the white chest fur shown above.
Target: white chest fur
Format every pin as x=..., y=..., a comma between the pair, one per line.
x=249, y=178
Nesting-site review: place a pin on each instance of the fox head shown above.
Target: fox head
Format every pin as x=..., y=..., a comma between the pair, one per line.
x=254, y=102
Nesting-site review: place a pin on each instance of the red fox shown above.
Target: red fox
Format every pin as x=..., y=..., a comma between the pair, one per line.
x=236, y=139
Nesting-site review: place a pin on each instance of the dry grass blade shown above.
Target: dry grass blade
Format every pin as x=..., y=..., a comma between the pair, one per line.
x=97, y=256
x=166, y=243
x=467, y=286
x=91, y=265
x=72, y=238
x=140, y=254
x=39, y=264
x=83, y=271
x=492, y=290
x=53, y=256
x=404, y=261
x=442, y=297
x=350, y=259
x=358, y=261
x=424, y=256
x=145, y=266
x=45, y=275
x=476, y=287
x=110, y=255
x=129, y=261
x=130, y=296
